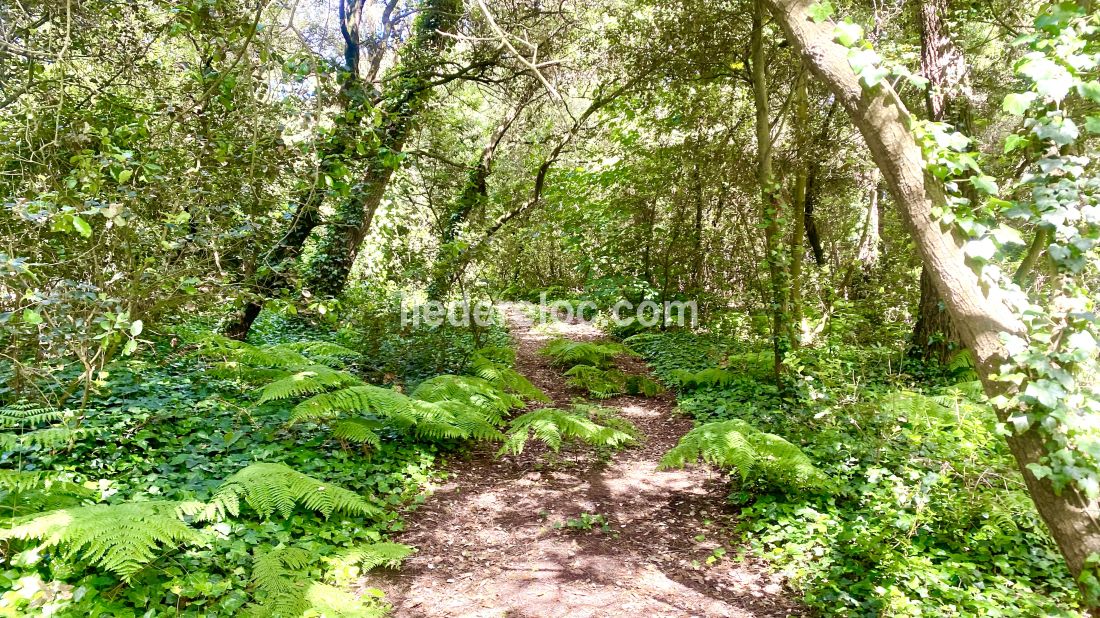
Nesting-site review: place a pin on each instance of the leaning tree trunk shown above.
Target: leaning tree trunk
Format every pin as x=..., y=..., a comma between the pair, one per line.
x=407, y=92
x=474, y=194
x=271, y=273
x=980, y=312
x=942, y=63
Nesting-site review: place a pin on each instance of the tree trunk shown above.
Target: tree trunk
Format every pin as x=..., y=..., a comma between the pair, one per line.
x=770, y=204
x=405, y=95
x=798, y=205
x=942, y=63
x=475, y=192
x=980, y=313
x=271, y=275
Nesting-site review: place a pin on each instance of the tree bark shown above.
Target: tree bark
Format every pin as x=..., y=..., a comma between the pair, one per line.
x=770, y=204
x=798, y=205
x=942, y=63
x=271, y=275
x=979, y=311
x=406, y=94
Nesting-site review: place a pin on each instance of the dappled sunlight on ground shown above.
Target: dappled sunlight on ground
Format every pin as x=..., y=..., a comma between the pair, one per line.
x=496, y=540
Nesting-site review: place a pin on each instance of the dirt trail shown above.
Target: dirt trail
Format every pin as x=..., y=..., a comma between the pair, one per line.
x=491, y=544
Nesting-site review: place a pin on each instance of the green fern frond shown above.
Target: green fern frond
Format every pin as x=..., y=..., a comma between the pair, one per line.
x=497, y=354
x=284, y=589
x=606, y=383
x=28, y=415
x=642, y=385
x=330, y=601
x=552, y=427
x=270, y=488
x=121, y=538
x=474, y=392
x=504, y=377
x=221, y=348
x=362, y=399
x=566, y=353
x=374, y=555
x=26, y=492
x=737, y=445
x=307, y=381
x=320, y=352
x=358, y=430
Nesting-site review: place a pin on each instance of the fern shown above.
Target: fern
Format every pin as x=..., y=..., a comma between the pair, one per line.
x=566, y=353
x=737, y=445
x=605, y=383
x=443, y=420
x=364, y=399
x=120, y=538
x=506, y=378
x=24, y=493
x=307, y=381
x=358, y=430
x=283, y=586
x=374, y=555
x=474, y=392
x=270, y=488
x=552, y=427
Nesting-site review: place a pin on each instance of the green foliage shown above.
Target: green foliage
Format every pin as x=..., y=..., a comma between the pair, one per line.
x=605, y=383
x=269, y=488
x=283, y=588
x=388, y=555
x=566, y=353
x=121, y=538
x=926, y=513
x=552, y=427
x=711, y=376
x=497, y=371
x=757, y=456
x=476, y=393
x=24, y=426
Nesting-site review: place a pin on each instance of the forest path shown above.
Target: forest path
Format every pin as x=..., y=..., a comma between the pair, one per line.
x=491, y=543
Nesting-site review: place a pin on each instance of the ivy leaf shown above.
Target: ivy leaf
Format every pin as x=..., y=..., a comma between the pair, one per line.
x=32, y=317
x=1089, y=90
x=124, y=175
x=1092, y=124
x=1052, y=80
x=81, y=226
x=873, y=76
x=985, y=184
x=847, y=34
x=820, y=11
x=136, y=327
x=1039, y=470
x=1014, y=142
x=1017, y=103
x=1005, y=235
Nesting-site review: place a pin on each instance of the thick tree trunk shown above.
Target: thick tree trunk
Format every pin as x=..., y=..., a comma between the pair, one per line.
x=407, y=92
x=942, y=63
x=271, y=275
x=979, y=311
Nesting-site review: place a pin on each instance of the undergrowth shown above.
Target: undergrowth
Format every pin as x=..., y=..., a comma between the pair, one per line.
x=925, y=514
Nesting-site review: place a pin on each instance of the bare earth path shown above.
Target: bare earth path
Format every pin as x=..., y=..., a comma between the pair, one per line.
x=488, y=543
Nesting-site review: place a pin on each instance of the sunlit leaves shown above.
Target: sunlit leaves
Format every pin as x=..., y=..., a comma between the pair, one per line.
x=820, y=11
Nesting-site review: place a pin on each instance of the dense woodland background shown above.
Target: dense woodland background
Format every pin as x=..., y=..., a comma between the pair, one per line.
x=213, y=211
